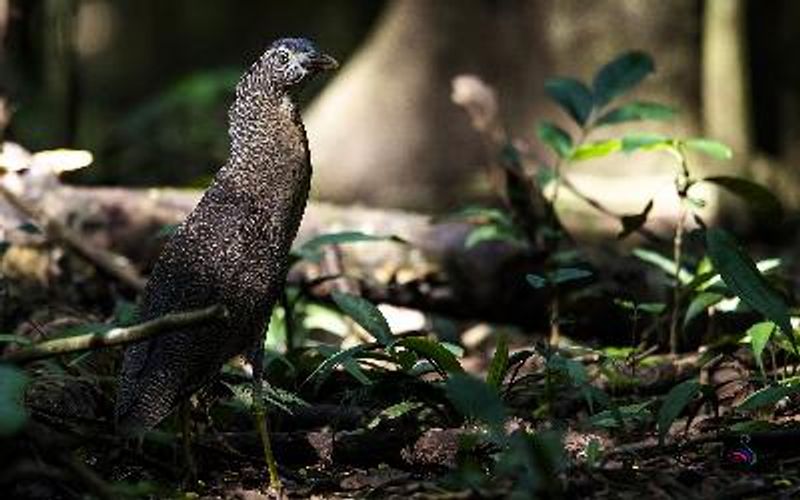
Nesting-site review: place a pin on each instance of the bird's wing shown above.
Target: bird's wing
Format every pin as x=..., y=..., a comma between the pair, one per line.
x=158, y=372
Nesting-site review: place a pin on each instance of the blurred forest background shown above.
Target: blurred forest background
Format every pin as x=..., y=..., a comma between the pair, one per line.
x=145, y=85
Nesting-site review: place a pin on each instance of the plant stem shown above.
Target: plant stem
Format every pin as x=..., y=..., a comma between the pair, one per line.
x=682, y=184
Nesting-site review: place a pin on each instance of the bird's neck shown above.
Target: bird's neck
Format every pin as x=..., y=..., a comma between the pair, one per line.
x=267, y=138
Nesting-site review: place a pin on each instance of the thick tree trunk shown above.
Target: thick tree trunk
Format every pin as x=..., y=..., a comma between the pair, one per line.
x=726, y=99
x=385, y=132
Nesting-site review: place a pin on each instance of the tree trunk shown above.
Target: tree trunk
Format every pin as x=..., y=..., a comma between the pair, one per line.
x=726, y=99
x=385, y=132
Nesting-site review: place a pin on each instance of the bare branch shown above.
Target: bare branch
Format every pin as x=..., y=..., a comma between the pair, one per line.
x=118, y=336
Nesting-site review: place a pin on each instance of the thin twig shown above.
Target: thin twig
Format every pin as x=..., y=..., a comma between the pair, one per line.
x=117, y=336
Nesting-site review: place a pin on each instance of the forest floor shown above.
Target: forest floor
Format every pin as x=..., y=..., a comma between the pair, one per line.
x=456, y=406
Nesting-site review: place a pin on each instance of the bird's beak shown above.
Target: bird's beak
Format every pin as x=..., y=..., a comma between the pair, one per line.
x=321, y=62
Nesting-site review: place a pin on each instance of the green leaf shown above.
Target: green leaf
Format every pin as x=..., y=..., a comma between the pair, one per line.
x=701, y=303
x=537, y=281
x=637, y=110
x=323, y=371
x=572, y=95
x=12, y=392
x=573, y=370
x=312, y=249
x=767, y=396
x=567, y=274
x=30, y=228
x=475, y=399
x=393, y=412
x=761, y=200
x=621, y=75
x=555, y=137
x=493, y=232
x=632, y=223
x=596, y=149
x=365, y=314
x=674, y=403
x=654, y=308
x=637, y=412
x=665, y=264
x=433, y=351
x=14, y=339
x=633, y=142
x=499, y=364
x=760, y=334
x=708, y=147
x=742, y=277
x=478, y=215
x=166, y=231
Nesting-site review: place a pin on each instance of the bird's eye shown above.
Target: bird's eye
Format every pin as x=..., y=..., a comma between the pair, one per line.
x=283, y=57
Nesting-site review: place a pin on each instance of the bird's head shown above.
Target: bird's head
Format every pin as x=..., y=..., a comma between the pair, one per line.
x=290, y=62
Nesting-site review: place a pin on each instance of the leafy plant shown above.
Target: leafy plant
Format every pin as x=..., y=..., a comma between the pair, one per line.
x=12, y=390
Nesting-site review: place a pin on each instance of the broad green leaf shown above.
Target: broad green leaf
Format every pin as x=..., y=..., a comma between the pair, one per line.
x=632, y=223
x=323, y=371
x=572, y=95
x=12, y=391
x=708, y=147
x=493, y=232
x=706, y=277
x=555, y=137
x=633, y=142
x=637, y=110
x=767, y=396
x=478, y=215
x=537, y=281
x=30, y=228
x=596, y=149
x=393, y=412
x=674, y=403
x=742, y=277
x=312, y=249
x=654, y=308
x=701, y=303
x=760, y=199
x=567, y=274
x=365, y=314
x=499, y=364
x=475, y=399
x=665, y=264
x=433, y=351
x=760, y=334
x=621, y=75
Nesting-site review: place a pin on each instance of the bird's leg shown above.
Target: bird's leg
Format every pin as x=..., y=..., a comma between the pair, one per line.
x=260, y=414
x=186, y=423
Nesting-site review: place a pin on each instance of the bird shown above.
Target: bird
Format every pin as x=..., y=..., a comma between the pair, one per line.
x=232, y=249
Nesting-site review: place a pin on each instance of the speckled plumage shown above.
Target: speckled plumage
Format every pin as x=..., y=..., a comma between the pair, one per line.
x=233, y=248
